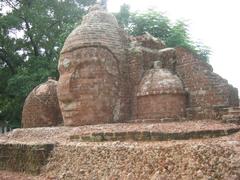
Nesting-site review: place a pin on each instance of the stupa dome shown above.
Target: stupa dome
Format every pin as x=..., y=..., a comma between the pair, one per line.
x=160, y=81
x=41, y=108
x=160, y=96
x=99, y=29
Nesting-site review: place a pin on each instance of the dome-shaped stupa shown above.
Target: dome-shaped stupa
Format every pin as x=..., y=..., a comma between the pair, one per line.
x=41, y=108
x=98, y=28
x=160, y=95
x=92, y=87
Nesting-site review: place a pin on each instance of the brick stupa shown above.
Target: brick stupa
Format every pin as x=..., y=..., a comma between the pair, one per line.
x=107, y=76
x=131, y=109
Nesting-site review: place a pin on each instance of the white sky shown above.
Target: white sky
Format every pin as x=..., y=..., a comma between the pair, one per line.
x=216, y=23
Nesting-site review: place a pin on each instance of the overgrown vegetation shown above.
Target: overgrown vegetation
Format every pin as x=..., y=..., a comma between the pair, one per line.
x=32, y=33
x=173, y=34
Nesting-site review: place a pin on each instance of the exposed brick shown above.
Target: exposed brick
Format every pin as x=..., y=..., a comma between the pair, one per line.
x=207, y=90
x=107, y=76
x=41, y=108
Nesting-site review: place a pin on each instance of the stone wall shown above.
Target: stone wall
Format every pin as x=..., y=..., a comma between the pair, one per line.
x=144, y=161
x=207, y=91
x=23, y=157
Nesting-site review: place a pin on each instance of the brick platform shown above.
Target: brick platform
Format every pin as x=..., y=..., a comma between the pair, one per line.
x=24, y=157
x=63, y=134
x=143, y=156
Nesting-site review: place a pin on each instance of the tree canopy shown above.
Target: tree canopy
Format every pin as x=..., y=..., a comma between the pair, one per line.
x=31, y=36
x=32, y=33
x=157, y=24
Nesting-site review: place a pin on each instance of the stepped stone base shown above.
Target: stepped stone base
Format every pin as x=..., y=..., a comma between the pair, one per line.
x=145, y=161
x=24, y=157
x=231, y=115
x=129, y=151
x=231, y=119
x=152, y=136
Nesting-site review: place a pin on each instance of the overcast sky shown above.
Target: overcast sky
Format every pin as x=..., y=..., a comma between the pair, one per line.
x=214, y=22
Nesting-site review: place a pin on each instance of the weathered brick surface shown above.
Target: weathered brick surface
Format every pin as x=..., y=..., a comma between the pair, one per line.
x=160, y=95
x=93, y=84
x=41, y=108
x=23, y=157
x=147, y=55
x=149, y=41
x=98, y=28
x=151, y=135
x=206, y=89
x=145, y=161
x=89, y=87
x=231, y=115
x=161, y=106
x=143, y=53
x=107, y=76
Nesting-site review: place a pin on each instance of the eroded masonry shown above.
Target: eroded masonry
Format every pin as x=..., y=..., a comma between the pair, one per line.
x=107, y=76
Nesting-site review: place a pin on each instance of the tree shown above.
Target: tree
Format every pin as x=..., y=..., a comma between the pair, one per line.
x=150, y=21
x=31, y=36
x=123, y=16
x=173, y=34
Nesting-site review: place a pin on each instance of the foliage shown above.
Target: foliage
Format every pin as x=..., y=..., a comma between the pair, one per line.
x=173, y=34
x=31, y=36
x=157, y=25
x=123, y=15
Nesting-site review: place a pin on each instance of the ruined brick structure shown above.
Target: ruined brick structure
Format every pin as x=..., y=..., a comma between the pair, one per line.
x=41, y=107
x=107, y=76
x=160, y=95
x=93, y=84
x=208, y=92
